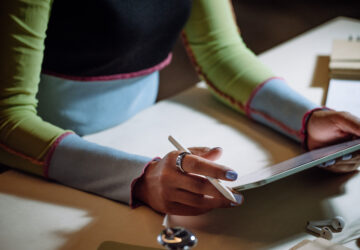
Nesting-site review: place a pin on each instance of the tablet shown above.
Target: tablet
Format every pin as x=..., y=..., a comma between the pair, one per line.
x=295, y=165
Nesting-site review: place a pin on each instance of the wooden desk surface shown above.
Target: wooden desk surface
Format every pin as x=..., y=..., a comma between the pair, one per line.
x=36, y=214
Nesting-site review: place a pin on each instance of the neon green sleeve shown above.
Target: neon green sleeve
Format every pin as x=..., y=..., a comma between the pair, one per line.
x=230, y=69
x=236, y=76
x=25, y=138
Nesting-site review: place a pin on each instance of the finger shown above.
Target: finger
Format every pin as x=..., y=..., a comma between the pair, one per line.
x=211, y=154
x=342, y=168
x=348, y=123
x=344, y=165
x=198, y=200
x=196, y=184
x=200, y=186
x=181, y=209
x=197, y=165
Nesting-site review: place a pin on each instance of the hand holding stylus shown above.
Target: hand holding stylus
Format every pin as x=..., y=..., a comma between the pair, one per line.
x=217, y=184
x=168, y=190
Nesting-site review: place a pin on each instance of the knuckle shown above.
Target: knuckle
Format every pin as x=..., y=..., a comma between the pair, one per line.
x=201, y=186
x=173, y=154
x=190, y=163
x=170, y=157
x=197, y=201
x=220, y=172
x=341, y=114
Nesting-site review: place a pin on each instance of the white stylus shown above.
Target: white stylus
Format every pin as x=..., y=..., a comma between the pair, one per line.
x=217, y=184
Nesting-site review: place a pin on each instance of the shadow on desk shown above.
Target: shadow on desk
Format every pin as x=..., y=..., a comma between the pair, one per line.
x=271, y=214
x=62, y=218
x=275, y=212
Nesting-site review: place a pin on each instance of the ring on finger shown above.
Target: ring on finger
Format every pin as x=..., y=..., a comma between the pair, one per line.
x=179, y=161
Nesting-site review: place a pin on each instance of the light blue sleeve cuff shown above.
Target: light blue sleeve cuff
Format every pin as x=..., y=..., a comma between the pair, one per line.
x=278, y=106
x=97, y=169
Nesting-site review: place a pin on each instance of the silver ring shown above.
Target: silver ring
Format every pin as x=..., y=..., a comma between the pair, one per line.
x=179, y=160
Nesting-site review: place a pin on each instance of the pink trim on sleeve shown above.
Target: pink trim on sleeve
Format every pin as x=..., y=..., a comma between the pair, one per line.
x=143, y=72
x=278, y=123
x=51, y=152
x=133, y=203
x=198, y=69
x=249, y=110
x=21, y=155
x=246, y=108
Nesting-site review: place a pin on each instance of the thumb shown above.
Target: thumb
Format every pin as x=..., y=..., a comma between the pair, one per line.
x=211, y=154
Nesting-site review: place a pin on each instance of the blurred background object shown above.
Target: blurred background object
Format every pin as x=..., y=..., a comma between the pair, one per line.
x=263, y=24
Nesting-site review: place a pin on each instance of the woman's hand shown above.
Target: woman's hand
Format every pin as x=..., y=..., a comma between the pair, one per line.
x=167, y=190
x=329, y=127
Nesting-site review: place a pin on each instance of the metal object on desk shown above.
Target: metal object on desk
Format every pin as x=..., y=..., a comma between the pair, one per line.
x=177, y=238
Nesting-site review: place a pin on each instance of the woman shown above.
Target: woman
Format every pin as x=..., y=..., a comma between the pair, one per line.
x=99, y=66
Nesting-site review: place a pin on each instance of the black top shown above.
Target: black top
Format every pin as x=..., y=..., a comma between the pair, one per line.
x=105, y=37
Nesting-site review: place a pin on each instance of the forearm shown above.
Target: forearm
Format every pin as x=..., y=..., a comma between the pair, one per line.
x=235, y=75
x=24, y=138
x=33, y=145
x=97, y=169
x=26, y=141
x=220, y=56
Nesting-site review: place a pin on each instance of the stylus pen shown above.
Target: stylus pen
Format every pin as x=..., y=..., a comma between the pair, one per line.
x=217, y=184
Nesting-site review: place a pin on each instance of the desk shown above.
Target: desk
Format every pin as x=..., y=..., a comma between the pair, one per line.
x=36, y=214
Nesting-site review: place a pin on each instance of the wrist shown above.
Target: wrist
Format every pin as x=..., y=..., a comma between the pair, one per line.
x=313, y=120
x=139, y=187
x=305, y=125
x=99, y=170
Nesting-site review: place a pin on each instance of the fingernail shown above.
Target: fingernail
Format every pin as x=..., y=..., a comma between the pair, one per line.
x=239, y=199
x=231, y=175
x=216, y=148
x=327, y=164
x=347, y=157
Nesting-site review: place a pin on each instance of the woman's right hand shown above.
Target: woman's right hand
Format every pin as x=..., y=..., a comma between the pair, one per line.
x=168, y=190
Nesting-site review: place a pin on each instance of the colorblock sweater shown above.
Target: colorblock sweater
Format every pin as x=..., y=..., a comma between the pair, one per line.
x=65, y=74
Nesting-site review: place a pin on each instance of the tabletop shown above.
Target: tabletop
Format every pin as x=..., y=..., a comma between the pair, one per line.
x=38, y=214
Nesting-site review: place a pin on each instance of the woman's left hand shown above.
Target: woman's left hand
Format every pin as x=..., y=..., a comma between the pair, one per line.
x=327, y=127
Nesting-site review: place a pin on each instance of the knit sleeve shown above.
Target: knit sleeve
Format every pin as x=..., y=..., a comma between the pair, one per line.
x=25, y=139
x=235, y=75
x=33, y=145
